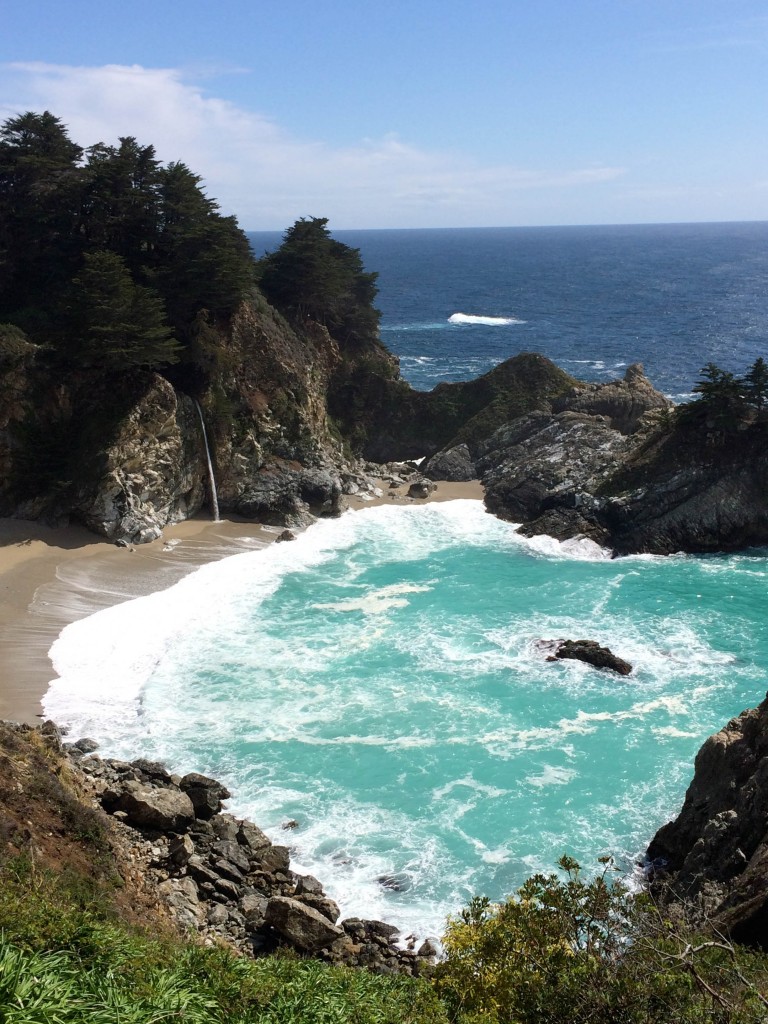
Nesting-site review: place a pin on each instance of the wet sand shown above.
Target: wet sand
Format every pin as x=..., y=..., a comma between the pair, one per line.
x=51, y=577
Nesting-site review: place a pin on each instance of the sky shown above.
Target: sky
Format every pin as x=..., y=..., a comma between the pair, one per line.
x=417, y=113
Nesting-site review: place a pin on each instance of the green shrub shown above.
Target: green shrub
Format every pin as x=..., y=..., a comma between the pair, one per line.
x=571, y=951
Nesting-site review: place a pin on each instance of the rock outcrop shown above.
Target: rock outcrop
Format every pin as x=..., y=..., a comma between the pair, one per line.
x=613, y=463
x=454, y=464
x=590, y=652
x=623, y=402
x=715, y=853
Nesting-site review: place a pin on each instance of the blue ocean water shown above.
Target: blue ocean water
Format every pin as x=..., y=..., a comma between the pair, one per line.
x=383, y=682
x=593, y=299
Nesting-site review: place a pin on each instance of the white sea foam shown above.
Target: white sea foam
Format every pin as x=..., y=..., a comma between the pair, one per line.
x=551, y=775
x=485, y=321
x=376, y=602
x=579, y=548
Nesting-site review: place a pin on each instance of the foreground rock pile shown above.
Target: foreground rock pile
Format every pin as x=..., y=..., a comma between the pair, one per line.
x=223, y=877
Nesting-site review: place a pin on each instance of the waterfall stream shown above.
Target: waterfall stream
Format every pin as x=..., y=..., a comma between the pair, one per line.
x=211, y=478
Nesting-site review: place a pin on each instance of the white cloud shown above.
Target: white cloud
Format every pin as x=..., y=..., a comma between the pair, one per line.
x=268, y=177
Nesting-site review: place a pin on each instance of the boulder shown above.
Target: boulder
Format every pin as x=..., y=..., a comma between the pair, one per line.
x=592, y=653
x=251, y=838
x=205, y=794
x=232, y=853
x=253, y=907
x=454, y=464
x=182, y=897
x=421, y=488
x=147, y=807
x=300, y=925
x=181, y=850
x=323, y=905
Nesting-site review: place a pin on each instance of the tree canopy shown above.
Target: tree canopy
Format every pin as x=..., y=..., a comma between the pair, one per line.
x=728, y=398
x=312, y=275
x=148, y=230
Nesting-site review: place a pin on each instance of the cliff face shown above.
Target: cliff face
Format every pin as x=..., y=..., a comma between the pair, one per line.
x=400, y=423
x=127, y=456
x=716, y=851
x=612, y=462
x=286, y=407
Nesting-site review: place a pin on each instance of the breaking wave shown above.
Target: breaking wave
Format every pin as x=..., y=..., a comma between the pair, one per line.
x=485, y=321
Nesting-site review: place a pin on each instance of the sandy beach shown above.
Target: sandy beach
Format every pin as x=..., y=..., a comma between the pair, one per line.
x=50, y=577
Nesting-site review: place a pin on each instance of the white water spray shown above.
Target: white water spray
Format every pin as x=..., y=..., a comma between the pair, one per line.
x=211, y=478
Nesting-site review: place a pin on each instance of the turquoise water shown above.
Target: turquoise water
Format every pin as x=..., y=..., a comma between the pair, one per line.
x=380, y=681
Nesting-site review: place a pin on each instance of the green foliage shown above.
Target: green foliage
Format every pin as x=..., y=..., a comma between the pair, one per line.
x=571, y=951
x=15, y=347
x=755, y=385
x=66, y=958
x=314, y=276
x=115, y=324
x=724, y=398
x=40, y=207
x=59, y=215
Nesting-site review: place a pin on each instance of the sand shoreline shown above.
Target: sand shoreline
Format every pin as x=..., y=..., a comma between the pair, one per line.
x=50, y=577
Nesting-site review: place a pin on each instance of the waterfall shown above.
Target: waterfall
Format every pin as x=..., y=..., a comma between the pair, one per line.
x=211, y=478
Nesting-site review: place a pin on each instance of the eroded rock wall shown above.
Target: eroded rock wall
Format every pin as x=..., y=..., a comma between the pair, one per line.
x=715, y=853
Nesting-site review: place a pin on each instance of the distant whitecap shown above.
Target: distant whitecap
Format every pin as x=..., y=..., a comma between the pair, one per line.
x=487, y=321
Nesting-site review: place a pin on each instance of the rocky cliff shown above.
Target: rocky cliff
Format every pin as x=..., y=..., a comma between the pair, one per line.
x=615, y=463
x=127, y=456
x=289, y=411
x=715, y=853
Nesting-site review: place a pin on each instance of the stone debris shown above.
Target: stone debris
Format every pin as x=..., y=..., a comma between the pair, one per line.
x=222, y=877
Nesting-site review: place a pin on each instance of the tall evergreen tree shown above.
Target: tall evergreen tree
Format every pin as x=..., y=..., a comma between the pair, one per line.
x=202, y=260
x=313, y=275
x=116, y=324
x=755, y=385
x=122, y=201
x=41, y=190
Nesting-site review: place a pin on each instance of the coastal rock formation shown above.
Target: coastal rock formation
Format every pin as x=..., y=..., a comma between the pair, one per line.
x=613, y=463
x=126, y=458
x=152, y=471
x=393, y=421
x=715, y=852
x=590, y=652
x=545, y=461
x=624, y=402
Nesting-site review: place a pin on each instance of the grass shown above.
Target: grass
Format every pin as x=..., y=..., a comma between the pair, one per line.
x=66, y=958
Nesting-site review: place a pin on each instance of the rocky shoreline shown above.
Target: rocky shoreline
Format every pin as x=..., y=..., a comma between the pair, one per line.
x=220, y=877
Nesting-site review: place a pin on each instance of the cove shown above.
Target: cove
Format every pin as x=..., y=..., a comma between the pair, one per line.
x=379, y=682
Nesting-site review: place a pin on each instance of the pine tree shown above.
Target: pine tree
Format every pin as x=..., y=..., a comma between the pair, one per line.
x=116, y=324
x=314, y=276
x=41, y=190
x=755, y=385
